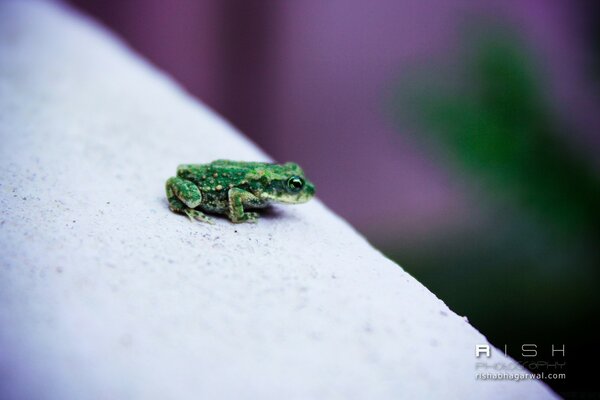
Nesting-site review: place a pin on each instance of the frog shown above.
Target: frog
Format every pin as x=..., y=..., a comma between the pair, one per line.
x=233, y=188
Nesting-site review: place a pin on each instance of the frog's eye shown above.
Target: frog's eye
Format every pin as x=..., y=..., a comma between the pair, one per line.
x=295, y=183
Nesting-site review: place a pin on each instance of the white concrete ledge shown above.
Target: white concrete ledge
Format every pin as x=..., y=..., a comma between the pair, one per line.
x=106, y=294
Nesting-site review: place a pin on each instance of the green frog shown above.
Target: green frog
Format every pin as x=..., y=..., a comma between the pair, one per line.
x=232, y=187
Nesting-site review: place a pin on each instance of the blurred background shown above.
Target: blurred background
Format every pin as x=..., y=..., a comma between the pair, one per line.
x=460, y=136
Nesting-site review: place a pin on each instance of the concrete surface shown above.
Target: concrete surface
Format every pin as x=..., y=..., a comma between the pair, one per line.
x=106, y=294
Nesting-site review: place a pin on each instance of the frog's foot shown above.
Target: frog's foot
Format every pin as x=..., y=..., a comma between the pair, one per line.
x=246, y=217
x=237, y=199
x=197, y=215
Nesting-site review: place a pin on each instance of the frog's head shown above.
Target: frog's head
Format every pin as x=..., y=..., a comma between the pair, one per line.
x=286, y=184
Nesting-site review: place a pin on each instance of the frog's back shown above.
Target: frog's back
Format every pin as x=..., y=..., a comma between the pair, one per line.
x=237, y=166
x=192, y=171
x=218, y=176
x=221, y=165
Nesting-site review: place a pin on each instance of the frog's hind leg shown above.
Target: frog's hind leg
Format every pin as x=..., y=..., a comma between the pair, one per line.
x=183, y=197
x=181, y=191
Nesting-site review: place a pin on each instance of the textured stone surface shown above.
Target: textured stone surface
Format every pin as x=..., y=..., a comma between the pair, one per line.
x=106, y=294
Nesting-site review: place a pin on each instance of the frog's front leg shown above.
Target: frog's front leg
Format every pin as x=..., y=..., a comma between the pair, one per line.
x=237, y=199
x=184, y=196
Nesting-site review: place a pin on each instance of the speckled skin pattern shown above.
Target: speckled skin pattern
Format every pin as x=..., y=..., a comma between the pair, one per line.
x=230, y=187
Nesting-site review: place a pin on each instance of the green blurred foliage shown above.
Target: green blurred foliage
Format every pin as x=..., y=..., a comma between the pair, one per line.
x=494, y=121
x=528, y=272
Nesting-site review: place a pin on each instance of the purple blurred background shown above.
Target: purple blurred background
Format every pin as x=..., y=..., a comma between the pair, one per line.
x=312, y=81
x=309, y=81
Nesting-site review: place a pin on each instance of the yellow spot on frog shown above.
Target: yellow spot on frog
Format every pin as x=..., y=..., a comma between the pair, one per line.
x=216, y=175
x=219, y=187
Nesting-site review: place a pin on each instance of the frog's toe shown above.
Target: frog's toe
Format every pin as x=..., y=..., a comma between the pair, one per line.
x=250, y=217
x=197, y=215
x=246, y=217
